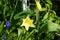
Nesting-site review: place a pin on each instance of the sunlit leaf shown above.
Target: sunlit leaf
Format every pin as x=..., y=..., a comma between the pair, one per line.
x=53, y=26
x=43, y=9
x=49, y=27
x=19, y=32
x=45, y=16
x=49, y=1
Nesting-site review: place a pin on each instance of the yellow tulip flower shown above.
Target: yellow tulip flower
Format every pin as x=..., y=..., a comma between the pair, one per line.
x=38, y=5
x=27, y=22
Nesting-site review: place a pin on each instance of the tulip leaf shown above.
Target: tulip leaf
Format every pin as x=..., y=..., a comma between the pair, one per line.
x=43, y=9
x=22, y=14
x=1, y=26
x=53, y=26
x=45, y=16
x=19, y=32
x=43, y=28
x=49, y=27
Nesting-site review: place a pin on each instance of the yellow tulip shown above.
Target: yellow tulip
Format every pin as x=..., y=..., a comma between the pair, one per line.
x=38, y=5
x=27, y=22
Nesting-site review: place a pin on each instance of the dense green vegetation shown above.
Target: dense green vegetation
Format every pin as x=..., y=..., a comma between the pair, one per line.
x=46, y=21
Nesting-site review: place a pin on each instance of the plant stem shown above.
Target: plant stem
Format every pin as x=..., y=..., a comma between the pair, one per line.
x=13, y=11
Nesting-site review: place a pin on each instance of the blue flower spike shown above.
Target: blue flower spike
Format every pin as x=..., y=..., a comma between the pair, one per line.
x=4, y=37
x=7, y=24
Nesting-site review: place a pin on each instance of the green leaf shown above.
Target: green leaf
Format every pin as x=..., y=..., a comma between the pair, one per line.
x=1, y=26
x=49, y=27
x=31, y=33
x=45, y=16
x=48, y=6
x=22, y=14
x=17, y=16
x=43, y=9
x=53, y=26
x=43, y=28
x=49, y=1
x=19, y=32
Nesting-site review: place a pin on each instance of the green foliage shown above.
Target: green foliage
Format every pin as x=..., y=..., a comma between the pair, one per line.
x=1, y=26
x=53, y=26
x=47, y=23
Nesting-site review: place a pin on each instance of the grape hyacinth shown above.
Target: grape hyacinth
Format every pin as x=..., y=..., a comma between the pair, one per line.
x=7, y=24
x=4, y=37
